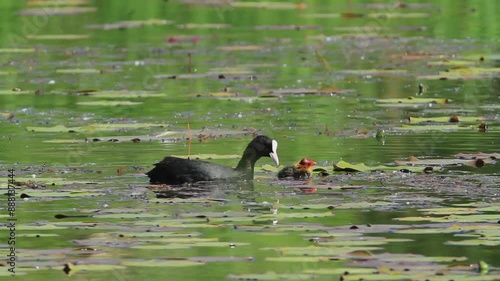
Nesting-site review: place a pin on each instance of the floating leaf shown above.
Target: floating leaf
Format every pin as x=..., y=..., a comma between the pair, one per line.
x=374, y=72
x=79, y=71
x=321, y=251
x=287, y=27
x=33, y=235
x=17, y=50
x=301, y=259
x=432, y=127
x=25, y=181
x=271, y=276
x=452, y=63
x=299, y=92
x=12, y=92
x=203, y=26
x=445, y=119
x=413, y=100
x=108, y=103
x=489, y=218
x=463, y=73
x=397, y=15
x=490, y=106
x=93, y=128
x=119, y=94
x=130, y=24
x=478, y=155
x=57, y=11
x=364, y=242
x=474, y=242
x=240, y=48
x=269, y=5
x=58, y=36
x=63, y=193
x=71, y=269
x=361, y=167
x=445, y=162
x=161, y=263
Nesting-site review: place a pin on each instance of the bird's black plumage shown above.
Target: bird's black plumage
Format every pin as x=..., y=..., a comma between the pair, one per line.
x=301, y=170
x=174, y=170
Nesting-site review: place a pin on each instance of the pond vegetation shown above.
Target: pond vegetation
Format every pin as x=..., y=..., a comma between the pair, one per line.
x=395, y=102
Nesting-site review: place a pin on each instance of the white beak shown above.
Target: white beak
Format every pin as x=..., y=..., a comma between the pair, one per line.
x=274, y=153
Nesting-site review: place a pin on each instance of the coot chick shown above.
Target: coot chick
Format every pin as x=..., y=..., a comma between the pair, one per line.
x=174, y=170
x=301, y=170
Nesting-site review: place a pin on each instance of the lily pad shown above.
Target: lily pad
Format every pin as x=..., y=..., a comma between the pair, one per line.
x=17, y=50
x=374, y=72
x=130, y=24
x=489, y=218
x=57, y=11
x=108, y=103
x=413, y=161
x=413, y=100
x=463, y=73
x=452, y=63
x=445, y=119
x=203, y=26
x=79, y=71
x=93, y=128
x=161, y=263
x=63, y=193
x=58, y=36
x=240, y=47
x=12, y=92
x=271, y=276
x=269, y=5
x=328, y=91
x=32, y=182
x=397, y=15
x=432, y=127
x=478, y=155
x=361, y=167
x=490, y=106
x=71, y=269
x=119, y=94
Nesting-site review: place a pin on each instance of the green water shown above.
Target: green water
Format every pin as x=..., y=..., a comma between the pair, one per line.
x=328, y=40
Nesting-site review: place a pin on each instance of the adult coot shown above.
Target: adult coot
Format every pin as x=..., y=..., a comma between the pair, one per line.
x=301, y=170
x=174, y=170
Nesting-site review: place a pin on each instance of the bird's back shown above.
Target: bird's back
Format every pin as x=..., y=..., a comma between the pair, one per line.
x=173, y=170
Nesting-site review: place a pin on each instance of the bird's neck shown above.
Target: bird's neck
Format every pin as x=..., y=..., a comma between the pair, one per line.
x=247, y=162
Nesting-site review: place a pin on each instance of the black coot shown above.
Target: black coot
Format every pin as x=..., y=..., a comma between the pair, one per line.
x=173, y=170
